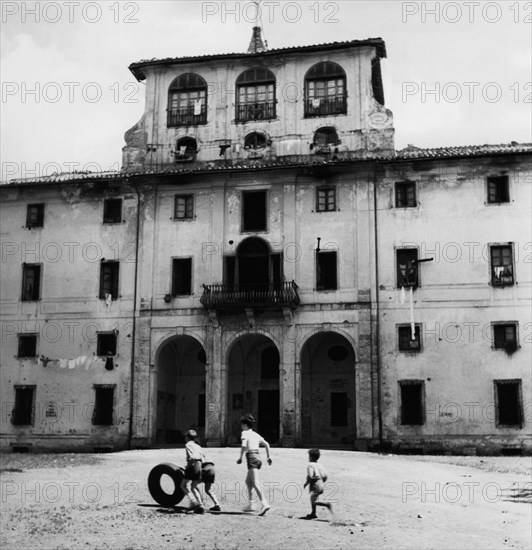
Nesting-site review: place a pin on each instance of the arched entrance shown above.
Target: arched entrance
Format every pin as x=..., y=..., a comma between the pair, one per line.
x=253, y=386
x=180, y=389
x=328, y=390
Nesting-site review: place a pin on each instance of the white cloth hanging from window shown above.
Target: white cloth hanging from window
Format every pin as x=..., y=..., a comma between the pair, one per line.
x=316, y=103
x=412, y=323
x=197, y=107
x=402, y=296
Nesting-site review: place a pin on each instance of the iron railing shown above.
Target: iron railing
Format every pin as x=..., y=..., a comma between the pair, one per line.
x=325, y=106
x=255, y=111
x=185, y=117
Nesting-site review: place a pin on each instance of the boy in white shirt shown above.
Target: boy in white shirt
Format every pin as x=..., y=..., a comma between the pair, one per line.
x=195, y=459
x=251, y=441
x=316, y=477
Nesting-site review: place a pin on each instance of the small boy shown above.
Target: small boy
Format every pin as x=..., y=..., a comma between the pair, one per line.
x=316, y=477
x=207, y=476
x=195, y=458
x=251, y=441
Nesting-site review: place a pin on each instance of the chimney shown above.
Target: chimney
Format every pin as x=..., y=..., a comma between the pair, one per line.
x=256, y=44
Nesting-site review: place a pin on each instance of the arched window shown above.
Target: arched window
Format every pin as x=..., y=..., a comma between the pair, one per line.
x=325, y=92
x=256, y=140
x=186, y=149
x=323, y=137
x=187, y=101
x=255, y=95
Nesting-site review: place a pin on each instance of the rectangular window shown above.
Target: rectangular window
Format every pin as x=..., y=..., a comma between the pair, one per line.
x=339, y=409
x=106, y=343
x=201, y=410
x=406, y=343
x=412, y=407
x=502, y=269
x=182, y=276
x=109, y=272
x=326, y=199
x=31, y=282
x=505, y=336
x=103, y=405
x=112, y=211
x=407, y=273
x=24, y=406
x=326, y=271
x=254, y=211
x=184, y=207
x=508, y=403
x=35, y=216
x=405, y=194
x=27, y=345
x=498, y=189
x=229, y=272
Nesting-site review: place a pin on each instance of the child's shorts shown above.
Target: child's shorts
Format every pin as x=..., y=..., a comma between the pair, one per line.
x=193, y=470
x=316, y=487
x=253, y=460
x=207, y=473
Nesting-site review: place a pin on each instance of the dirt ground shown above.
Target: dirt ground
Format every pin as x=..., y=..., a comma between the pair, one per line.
x=380, y=501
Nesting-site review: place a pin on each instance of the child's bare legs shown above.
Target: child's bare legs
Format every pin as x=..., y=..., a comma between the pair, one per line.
x=211, y=495
x=252, y=482
x=190, y=493
x=195, y=491
x=314, y=503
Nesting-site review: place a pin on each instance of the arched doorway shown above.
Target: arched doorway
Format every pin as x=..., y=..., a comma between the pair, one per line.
x=328, y=390
x=180, y=389
x=253, y=386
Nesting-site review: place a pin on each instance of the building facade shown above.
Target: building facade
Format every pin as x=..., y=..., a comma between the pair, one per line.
x=265, y=249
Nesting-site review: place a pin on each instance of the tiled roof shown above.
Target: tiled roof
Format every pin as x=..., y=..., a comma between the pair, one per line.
x=137, y=67
x=410, y=153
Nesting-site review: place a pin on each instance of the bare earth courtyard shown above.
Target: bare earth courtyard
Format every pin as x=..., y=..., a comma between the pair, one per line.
x=380, y=501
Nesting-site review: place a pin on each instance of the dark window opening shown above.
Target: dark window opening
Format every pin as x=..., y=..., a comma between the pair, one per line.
x=505, y=336
x=27, y=345
x=187, y=101
x=337, y=353
x=326, y=278
x=31, y=282
x=498, y=189
x=186, y=149
x=254, y=211
x=184, y=207
x=229, y=272
x=106, y=344
x=24, y=406
x=269, y=363
x=406, y=343
x=35, y=216
x=376, y=80
x=201, y=410
x=326, y=199
x=255, y=99
x=103, y=405
x=412, y=403
x=405, y=194
x=509, y=408
x=407, y=273
x=325, y=90
x=339, y=409
x=277, y=268
x=256, y=140
x=182, y=276
x=109, y=272
x=324, y=138
x=112, y=210
x=502, y=272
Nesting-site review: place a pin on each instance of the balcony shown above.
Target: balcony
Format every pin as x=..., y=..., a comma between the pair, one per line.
x=255, y=295
x=185, y=117
x=255, y=111
x=325, y=106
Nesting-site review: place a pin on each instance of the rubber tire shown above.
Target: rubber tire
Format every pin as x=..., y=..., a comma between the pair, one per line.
x=154, y=484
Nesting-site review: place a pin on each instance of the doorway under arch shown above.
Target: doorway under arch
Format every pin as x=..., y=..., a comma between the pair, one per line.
x=328, y=390
x=181, y=389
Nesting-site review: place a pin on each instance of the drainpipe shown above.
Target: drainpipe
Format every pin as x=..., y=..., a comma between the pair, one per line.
x=377, y=300
x=134, y=329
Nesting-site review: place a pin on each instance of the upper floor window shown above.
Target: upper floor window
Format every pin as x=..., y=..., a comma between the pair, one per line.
x=112, y=210
x=405, y=194
x=27, y=345
x=407, y=272
x=326, y=270
x=324, y=138
x=184, y=207
x=256, y=140
x=254, y=211
x=325, y=199
x=31, y=282
x=186, y=149
x=255, y=95
x=502, y=268
x=325, y=91
x=405, y=340
x=109, y=277
x=187, y=101
x=181, y=276
x=35, y=216
x=498, y=189
x=505, y=336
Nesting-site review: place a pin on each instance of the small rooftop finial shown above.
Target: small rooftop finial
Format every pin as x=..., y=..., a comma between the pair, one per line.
x=256, y=44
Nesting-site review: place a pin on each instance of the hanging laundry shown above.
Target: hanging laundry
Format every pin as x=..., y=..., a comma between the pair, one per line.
x=197, y=107
x=402, y=297
x=412, y=323
x=62, y=363
x=108, y=300
x=316, y=103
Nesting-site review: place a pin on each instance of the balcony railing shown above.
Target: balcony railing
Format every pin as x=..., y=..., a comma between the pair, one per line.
x=185, y=117
x=263, y=295
x=326, y=106
x=255, y=111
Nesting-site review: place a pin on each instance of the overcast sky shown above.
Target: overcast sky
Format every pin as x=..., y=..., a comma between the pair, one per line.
x=476, y=56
